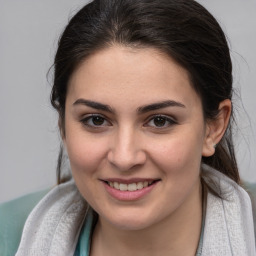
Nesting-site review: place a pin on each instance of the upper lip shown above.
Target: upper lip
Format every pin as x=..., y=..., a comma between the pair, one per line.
x=129, y=181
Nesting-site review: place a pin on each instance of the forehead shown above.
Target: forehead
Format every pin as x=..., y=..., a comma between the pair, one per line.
x=126, y=73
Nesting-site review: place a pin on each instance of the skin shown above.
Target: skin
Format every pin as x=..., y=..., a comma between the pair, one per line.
x=127, y=143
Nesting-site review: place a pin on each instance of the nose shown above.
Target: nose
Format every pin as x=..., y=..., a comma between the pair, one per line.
x=126, y=150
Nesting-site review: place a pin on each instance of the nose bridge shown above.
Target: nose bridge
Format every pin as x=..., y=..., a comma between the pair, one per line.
x=126, y=151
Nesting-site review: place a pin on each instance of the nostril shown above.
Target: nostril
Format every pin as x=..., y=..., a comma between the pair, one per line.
x=126, y=160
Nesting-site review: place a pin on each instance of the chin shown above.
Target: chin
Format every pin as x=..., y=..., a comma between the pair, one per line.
x=130, y=224
x=133, y=221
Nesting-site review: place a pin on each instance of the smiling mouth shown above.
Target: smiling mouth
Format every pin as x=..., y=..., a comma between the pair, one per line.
x=130, y=187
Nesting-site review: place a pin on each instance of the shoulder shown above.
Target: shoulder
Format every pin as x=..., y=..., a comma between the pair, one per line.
x=54, y=224
x=246, y=191
x=228, y=190
x=225, y=187
x=228, y=215
x=13, y=215
x=251, y=190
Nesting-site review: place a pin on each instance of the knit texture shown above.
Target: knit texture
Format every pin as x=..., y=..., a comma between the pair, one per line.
x=229, y=222
x=53, y=227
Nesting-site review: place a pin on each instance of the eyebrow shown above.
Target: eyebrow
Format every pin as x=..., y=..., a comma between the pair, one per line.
x=160, y=105
x=94, y=104
x=140, y=110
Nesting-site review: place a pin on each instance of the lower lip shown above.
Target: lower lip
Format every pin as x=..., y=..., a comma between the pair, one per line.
x=129, y=195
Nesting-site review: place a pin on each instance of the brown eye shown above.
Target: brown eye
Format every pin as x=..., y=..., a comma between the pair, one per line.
x=159, y=121
x=95, y=121
x=98, y=120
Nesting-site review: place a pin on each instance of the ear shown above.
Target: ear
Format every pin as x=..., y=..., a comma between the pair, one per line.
x=61, y=129
x=215, y=129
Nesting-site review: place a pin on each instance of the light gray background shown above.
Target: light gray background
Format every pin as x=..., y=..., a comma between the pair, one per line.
x=29, y=140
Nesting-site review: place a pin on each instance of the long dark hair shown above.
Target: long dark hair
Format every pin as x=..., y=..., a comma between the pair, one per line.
x=183, y=29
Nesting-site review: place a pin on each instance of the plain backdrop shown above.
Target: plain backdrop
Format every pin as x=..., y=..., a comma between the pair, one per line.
x=29, y=139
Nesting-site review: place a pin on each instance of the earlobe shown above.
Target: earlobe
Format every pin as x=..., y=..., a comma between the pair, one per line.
x=215, y=129
x=209, y=144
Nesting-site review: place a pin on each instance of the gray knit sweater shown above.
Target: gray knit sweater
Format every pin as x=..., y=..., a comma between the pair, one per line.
x=54, y=225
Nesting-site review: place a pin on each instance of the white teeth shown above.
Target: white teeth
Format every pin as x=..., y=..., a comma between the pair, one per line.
x=116, y=185
x=139, y=185
x=131, y=186
x=145, y=184
x=123, y=187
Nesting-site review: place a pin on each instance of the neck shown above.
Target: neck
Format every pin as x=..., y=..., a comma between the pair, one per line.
x=178, y=234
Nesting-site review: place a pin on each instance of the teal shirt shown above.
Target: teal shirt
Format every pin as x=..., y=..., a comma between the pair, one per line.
x=84, y=242
x=13, y=215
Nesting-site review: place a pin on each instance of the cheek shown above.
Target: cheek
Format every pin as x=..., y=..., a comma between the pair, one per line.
x=85, y=158
x=180, y=154
x=84, y=153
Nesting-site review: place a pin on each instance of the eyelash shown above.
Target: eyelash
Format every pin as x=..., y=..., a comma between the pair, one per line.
x=86, y=121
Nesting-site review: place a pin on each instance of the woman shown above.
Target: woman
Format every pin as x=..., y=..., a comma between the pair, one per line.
x=143, y=90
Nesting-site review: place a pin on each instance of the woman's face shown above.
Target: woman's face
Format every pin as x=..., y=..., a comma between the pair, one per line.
x=135, y=135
